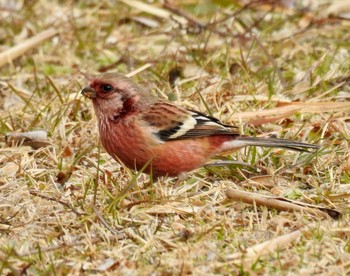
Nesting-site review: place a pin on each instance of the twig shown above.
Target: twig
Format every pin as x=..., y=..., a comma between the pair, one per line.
x=242, y=9
x=69, y=245
x=191, y=20
x=66, y=204
x=280, y=204
x=57, y=247
x=104, y=222
x=272, y=61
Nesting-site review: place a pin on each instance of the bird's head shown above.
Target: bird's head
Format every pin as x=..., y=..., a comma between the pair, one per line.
x=114, y=95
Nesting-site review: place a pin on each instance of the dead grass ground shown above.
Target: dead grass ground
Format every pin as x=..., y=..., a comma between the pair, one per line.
x=68, y=208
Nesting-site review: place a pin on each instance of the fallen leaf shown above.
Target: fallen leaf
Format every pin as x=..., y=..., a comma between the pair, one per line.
x=35, y=139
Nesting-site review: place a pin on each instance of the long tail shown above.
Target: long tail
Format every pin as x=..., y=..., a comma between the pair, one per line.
x=277, y=143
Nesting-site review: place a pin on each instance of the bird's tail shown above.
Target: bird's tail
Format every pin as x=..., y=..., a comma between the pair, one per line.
x=277, y=143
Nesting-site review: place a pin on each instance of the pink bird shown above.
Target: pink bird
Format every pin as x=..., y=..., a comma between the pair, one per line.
x=144, y=131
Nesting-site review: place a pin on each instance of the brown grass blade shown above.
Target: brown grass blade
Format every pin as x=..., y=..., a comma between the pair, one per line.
x=273, y=114
x=267, y=247
x=151, y=9
x=9, y=55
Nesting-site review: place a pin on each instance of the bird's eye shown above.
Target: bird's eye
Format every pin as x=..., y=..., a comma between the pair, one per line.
x=106, y=88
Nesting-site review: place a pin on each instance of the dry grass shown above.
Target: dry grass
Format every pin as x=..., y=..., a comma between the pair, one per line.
x=68, y=208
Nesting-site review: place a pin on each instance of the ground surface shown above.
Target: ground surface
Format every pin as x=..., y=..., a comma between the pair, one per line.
x=68, y=208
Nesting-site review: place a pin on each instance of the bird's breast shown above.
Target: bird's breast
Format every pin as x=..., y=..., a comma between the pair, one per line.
x=125, y=142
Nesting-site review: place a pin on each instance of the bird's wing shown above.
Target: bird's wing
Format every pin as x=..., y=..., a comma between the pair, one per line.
x=171, y=122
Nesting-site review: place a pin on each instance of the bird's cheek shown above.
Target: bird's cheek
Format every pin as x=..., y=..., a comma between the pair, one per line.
x=101, y=109
x=96, y=103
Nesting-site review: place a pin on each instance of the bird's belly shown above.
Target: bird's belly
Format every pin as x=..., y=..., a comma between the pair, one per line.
x=176, y=157
x=169, y=158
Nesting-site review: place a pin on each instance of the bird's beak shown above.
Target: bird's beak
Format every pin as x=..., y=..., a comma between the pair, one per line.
x=89, y=92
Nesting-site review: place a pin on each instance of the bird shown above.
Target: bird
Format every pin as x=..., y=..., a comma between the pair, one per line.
x=159, y=137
